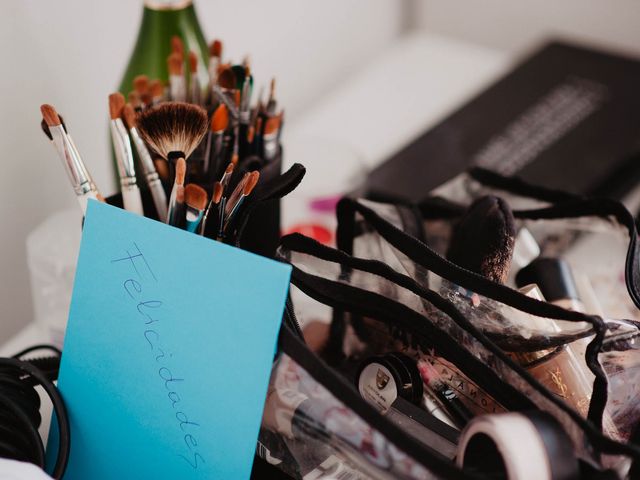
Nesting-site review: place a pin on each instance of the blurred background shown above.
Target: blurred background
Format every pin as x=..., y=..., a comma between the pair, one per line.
x=359, y=80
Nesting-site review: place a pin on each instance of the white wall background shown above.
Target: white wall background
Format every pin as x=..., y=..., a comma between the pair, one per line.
x=72, y=53
x=518, y=25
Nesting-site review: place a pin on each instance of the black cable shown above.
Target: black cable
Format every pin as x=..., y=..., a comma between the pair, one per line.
x=20, y=408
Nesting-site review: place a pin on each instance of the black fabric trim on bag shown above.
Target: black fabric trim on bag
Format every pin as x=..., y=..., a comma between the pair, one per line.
x=349, y=298
x=344, y=392
x=301, y=244
x=518, y=186
x=267, y=192
x=422, y=254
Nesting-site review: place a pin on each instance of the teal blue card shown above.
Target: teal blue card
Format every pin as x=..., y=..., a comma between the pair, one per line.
x=168, y=351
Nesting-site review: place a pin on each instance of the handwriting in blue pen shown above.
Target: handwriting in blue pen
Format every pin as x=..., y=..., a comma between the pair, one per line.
x=151, y=312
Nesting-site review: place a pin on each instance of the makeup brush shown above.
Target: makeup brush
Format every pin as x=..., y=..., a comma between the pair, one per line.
x=141, y=84
x=177, y=83
x=124, y=156
x=151, y=175
x=484, y=238
x=146, y=99
x=226, y=177
x=215, y=200
x=224, y=90
x=245, y=188
x=81, y=181
x=177, y=46
x=194, y=82
x=176, y=212
x=270, y=138
x=195, y=199
x=271, y=103
x=213, y=149
x=215, y=59
x=173, y=129
x=134, y=100
x=157, y=92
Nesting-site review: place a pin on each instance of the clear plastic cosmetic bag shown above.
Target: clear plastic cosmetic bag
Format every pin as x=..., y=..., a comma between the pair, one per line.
x=489, y=321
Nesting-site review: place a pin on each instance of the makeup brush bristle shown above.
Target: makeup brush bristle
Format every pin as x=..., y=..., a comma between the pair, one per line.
x=220, y=119
x=45, y=129
x=134, y=99
x=50, y=116
x=217, y=192
x=195, y=196
x=272, y=125
x=162, y=167
x=215, y=49
x=141, y=84
x=129, y=116
x=251, y=183
x=173, y=127
x=116, y=104
x=227, y=79
x=181, y=171
x=177, y=46
x=193, y=62
x=156, y=88
x=174, y=63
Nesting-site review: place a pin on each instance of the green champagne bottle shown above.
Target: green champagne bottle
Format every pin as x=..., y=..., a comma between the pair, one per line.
x=161, y=20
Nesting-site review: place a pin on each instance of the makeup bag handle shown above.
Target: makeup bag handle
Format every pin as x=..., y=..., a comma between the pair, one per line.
x=267, y=192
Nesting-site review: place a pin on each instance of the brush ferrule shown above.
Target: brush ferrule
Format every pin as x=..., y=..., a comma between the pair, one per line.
x=214, y=63
x=143, y=153
x=193, y=218
x=270, y=145
x=128, y=182
x=224, y=98
x=122, y=147
x=244, y=117
x=178, y=88
x=73, y=164
x=174, y=156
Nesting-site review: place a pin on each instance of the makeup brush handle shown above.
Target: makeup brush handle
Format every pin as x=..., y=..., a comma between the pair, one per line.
x=131, y=199
x=159, y=198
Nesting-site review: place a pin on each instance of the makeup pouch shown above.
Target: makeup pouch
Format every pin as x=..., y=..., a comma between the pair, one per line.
x=502, y=315
x=427, y=328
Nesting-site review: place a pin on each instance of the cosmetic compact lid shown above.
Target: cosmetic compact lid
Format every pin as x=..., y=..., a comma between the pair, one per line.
x=553, y=277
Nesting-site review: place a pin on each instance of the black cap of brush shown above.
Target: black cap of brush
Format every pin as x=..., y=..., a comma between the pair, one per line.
x=553, y=277
x=483, y=239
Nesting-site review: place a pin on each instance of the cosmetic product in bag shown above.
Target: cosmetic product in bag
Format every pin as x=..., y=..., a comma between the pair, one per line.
x=425, y=427
x=382, y=379
x=518, y=446
x=557, y=369
x=483, y=239
x=555, y=281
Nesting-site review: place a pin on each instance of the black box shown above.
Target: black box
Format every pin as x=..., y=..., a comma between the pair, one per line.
x=567, y=117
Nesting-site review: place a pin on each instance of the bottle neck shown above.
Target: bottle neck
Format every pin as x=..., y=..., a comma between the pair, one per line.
x=167, y=4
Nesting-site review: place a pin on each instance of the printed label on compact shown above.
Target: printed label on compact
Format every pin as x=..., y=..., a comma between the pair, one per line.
x=377, y=386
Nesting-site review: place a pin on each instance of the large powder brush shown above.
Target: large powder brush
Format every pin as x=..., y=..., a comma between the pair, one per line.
x=174, y=129
x=483, y=240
